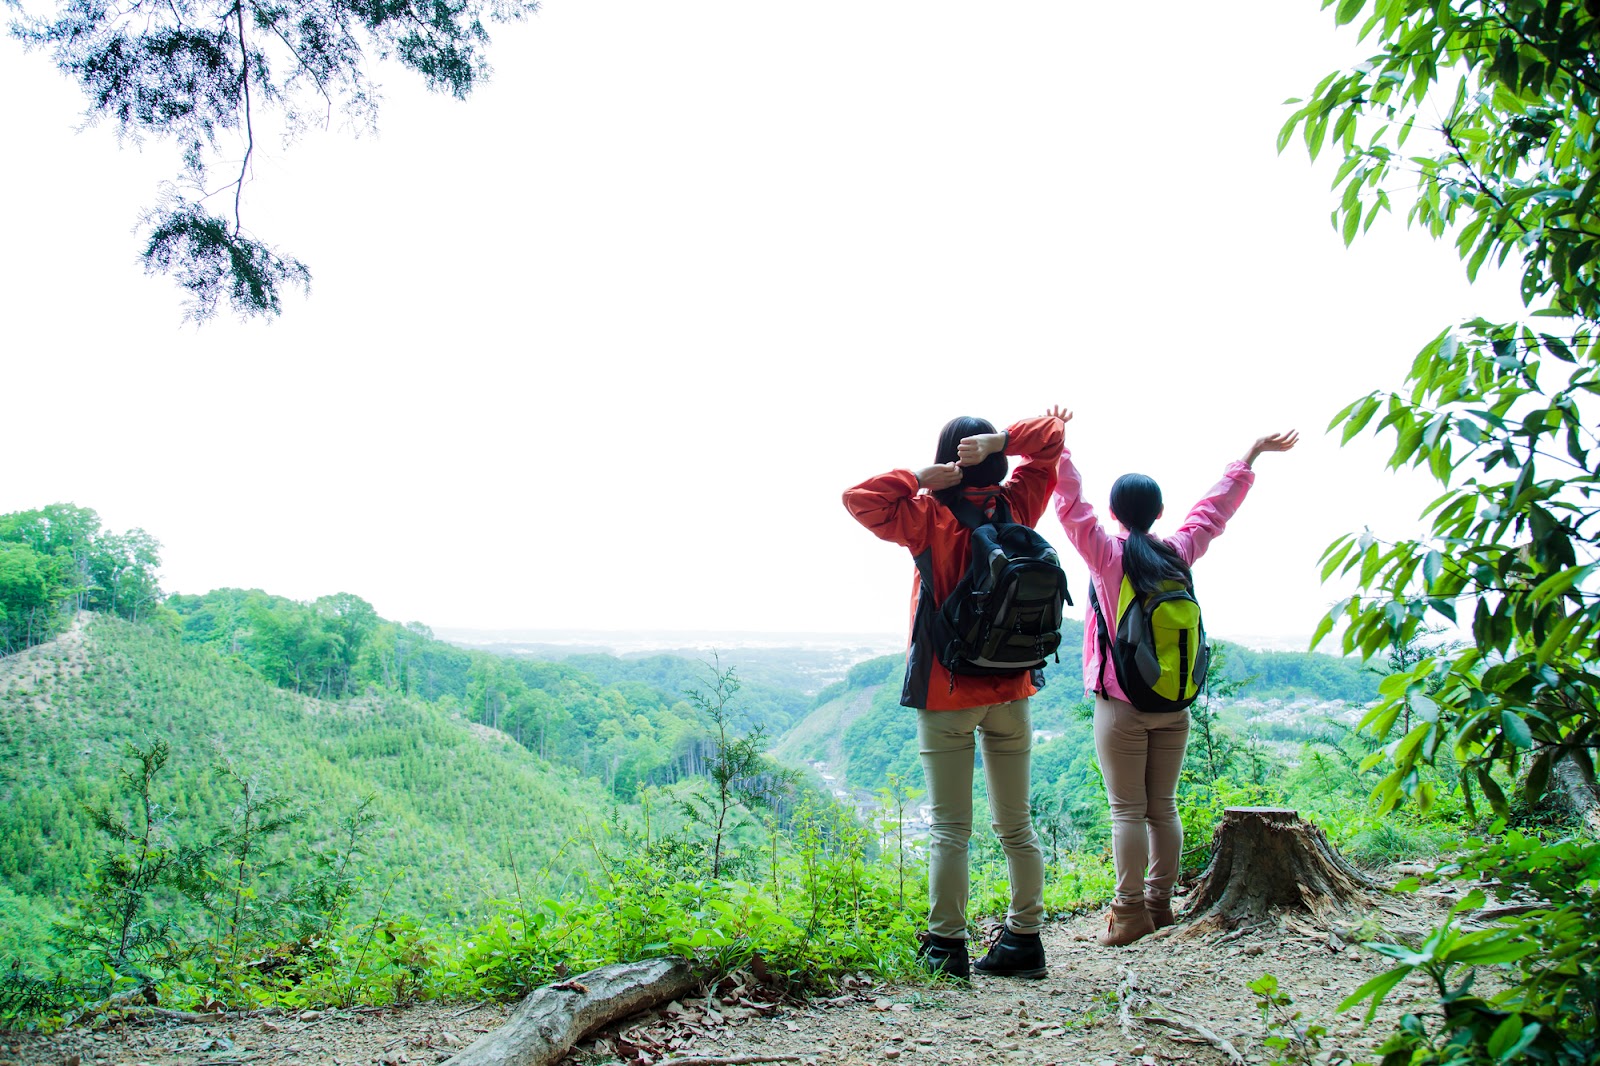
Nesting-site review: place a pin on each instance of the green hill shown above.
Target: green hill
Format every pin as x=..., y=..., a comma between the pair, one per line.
x=458, y=805
x=626, y=721
x=858, y=728
x=771, y=698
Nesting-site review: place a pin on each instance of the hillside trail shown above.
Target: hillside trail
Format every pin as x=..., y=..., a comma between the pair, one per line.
x=22, y=673
x=1169, y=998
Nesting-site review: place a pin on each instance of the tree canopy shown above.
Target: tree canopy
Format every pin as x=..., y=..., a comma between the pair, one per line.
x=1480, y=118
x=207, y=74
x=55, y=560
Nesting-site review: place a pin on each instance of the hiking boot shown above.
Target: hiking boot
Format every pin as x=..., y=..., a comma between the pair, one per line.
x=1160, y=912
x=1125, y=923
x=1013, y=955
x=944, y=955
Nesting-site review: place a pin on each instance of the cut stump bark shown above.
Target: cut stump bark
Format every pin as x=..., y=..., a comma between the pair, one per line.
x=1265, y=859
x=552, y=1019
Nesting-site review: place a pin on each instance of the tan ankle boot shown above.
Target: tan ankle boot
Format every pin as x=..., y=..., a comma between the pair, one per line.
x=1125, y=923
x=1160, y=912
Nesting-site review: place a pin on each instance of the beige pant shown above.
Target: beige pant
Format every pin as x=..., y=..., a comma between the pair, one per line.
x=947, y=742
x=1141, y=756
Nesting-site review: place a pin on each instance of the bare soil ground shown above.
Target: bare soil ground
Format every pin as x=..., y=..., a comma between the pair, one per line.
x=1170, y=998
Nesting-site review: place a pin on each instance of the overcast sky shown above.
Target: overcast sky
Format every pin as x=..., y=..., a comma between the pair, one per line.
x=601, y=346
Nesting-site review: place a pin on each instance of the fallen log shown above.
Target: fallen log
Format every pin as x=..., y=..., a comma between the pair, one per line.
x=547, y=1023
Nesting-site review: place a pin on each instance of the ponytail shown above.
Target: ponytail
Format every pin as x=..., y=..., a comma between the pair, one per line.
x=1148, y=562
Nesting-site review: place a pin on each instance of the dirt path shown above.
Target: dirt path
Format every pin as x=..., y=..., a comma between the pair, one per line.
x=1074, y=1016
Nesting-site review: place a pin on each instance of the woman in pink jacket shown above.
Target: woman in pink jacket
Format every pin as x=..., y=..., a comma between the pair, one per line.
x=1141, y=754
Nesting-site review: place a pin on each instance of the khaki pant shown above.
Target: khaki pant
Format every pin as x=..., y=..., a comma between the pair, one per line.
x=947, y=742
x=1141, y=756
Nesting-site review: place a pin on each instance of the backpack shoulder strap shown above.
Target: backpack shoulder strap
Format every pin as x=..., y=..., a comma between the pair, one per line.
x=1105, y=644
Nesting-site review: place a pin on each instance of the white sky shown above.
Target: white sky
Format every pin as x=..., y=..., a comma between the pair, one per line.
x=602, y=346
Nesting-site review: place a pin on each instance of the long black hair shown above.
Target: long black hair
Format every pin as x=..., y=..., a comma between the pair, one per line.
x=991, y=471
x=1136, y=501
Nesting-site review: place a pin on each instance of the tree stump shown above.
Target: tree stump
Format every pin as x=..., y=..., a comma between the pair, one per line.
x=1265, y=859
x=552, y=1019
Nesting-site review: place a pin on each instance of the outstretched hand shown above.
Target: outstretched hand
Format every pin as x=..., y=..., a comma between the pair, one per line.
x=1057, y=411
x=941, y=476
x=1274, y=442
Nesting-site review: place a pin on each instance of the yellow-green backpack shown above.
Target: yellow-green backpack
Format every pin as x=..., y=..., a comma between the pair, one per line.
x=1159, y=652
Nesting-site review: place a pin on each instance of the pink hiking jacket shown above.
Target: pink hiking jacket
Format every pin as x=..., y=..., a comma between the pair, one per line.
x=1102, y=550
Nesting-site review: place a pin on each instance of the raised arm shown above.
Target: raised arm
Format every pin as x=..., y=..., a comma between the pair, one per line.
x=1037, y=442
x=1210, y=516
x=892, y=507
x=1083, y=528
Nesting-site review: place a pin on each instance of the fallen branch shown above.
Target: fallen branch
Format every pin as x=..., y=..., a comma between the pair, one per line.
x=1510, y=910
x=1125, y=1003
x=187, y=1017
x=740, y=1060
x=552, y=1019
x=1240, y=931
x=1205, y=1035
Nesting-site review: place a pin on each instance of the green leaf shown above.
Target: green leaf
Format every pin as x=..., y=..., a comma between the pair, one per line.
x=1375, y=990
x=1491, y=789
x=1324, y=627
x=1530, y=1033
x=1559, y=582
x=1335, y=556
x=1344, y=412
x=1557, y=347
x=1488, y=947
x=1506, y=1034
x=1432, y=566
x=1427, y=954
x=1516, y=730
x=1359, y=420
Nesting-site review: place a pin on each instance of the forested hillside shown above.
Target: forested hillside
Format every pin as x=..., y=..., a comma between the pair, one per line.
x=304, y=803
x=797, y=663
x=859, y=728
x=175, y=813
x=478, y=768
x=464, y=804
x=1274, y=727
x=623, y=721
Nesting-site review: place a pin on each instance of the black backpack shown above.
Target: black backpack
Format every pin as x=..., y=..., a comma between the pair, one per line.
x=1004, y=615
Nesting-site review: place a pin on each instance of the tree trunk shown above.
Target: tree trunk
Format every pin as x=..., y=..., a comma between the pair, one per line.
x=1576, y=791
x=554, y=1018
x=1265, y=859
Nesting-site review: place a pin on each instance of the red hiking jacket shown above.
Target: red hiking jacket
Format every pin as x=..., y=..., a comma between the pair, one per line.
x=895, y=508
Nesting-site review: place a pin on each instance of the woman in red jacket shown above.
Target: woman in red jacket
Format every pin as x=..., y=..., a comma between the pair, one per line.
x=910, y=508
